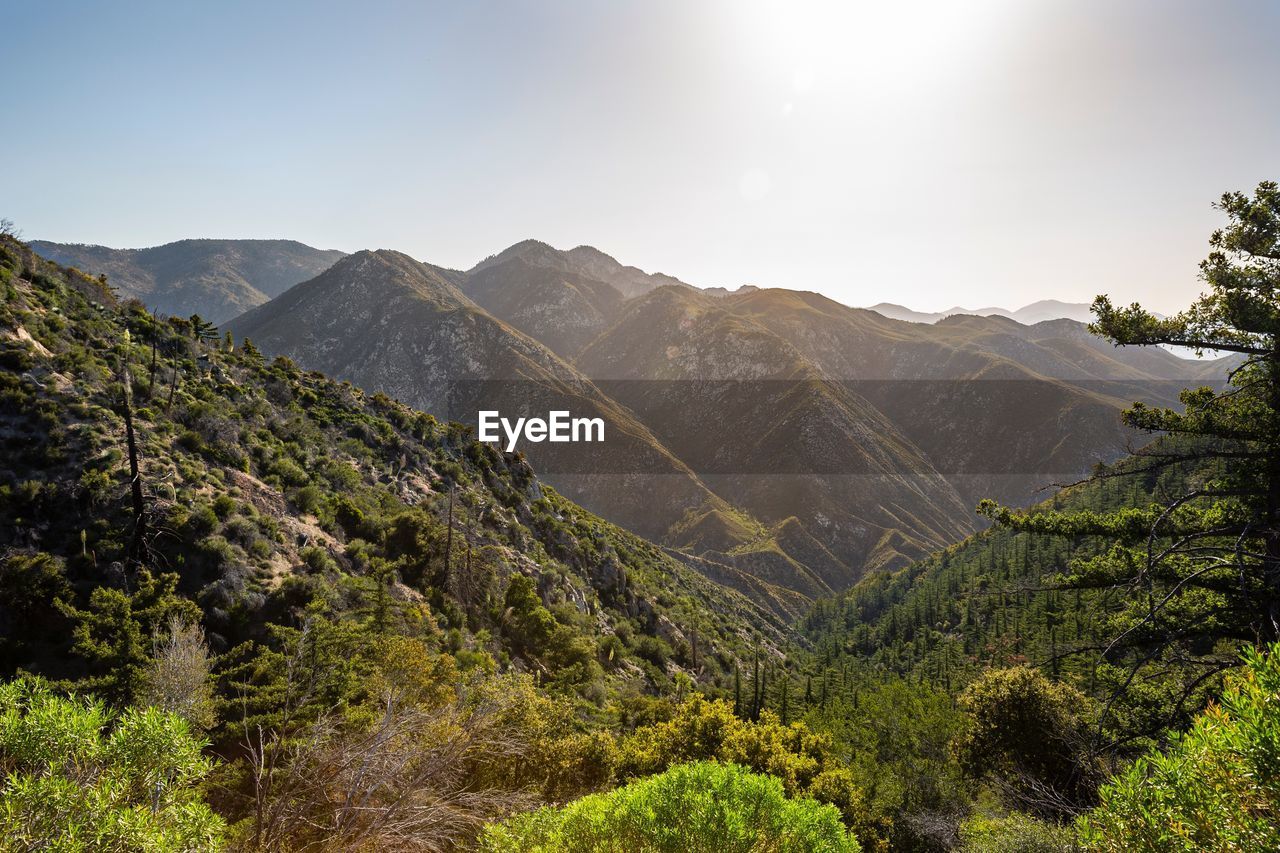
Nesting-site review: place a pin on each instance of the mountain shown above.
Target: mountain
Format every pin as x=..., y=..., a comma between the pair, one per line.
x=1036, y=312
x=564, y=310
x=278, y=499
x=778, y=440
x=584, y=261
x=389, y=323
x=800, y=452
x=217, y=279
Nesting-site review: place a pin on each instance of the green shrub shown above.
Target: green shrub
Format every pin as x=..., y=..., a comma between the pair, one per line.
x=1030, y=733
x=78, y=778
x=1217, y=787
x=224, y=505
x=317, y=559
x=309, y=499
x=1015, y=833
x=289, y=472
x=691, y=807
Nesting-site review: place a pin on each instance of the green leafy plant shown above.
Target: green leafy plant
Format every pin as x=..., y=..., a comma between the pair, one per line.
x=78, y=777
x=691, y=807
x=1217, y=786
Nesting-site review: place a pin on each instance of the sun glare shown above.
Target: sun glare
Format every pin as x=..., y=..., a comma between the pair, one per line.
x=893, y=46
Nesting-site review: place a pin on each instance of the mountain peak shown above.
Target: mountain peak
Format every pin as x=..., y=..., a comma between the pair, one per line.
x=586, y=261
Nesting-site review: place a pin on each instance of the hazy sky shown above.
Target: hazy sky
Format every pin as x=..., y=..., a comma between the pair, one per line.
x=928, y=153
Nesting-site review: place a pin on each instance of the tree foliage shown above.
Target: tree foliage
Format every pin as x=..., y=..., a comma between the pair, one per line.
x=1216, y=787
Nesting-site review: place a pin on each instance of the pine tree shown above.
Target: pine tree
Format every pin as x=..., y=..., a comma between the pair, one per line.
x=1198, y=570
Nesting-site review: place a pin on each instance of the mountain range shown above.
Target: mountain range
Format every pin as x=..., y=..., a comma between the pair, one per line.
x=217, y=279
x=1036, y=312
x=778, y=441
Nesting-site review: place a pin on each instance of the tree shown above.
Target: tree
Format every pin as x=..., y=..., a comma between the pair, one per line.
x=177, y=679
x=1197, y=571
x=110, y=633
x=1029, y=735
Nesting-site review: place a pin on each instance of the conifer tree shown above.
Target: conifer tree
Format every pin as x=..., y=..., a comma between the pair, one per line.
x=1197, y=572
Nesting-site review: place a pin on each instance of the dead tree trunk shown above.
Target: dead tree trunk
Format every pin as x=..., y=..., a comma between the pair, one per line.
x=137, y=542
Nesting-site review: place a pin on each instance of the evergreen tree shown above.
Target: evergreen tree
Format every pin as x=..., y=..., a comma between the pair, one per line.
x=1197, y=570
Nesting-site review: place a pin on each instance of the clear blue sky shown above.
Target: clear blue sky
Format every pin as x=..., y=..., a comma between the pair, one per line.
x=931, y=153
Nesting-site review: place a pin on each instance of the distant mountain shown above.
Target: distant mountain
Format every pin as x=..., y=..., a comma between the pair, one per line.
x=217, y=279
x=724, y=291
x=1036, y=312
x=564, y=310
x=1001, y=408
x=766, y=429
x=583, y=261
x=389, y=323
x=779, y=441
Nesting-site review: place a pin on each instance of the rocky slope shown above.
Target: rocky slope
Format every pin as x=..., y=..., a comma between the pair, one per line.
x=389, y=323
x=272, y=493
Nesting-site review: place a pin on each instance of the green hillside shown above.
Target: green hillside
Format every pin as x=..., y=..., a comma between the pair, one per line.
x=1005, y=597
x=266, y=493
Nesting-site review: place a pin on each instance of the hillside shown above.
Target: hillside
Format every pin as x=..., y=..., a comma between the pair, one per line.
x=801, y=448
x=903, y=426
x=388, y=323
x=217, y=279
x=999, y=598
x=271, y=493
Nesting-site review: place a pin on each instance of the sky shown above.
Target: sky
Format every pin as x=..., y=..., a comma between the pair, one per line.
x=930, y=153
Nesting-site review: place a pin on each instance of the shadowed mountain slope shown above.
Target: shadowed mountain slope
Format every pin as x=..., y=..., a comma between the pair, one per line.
x=389, y=323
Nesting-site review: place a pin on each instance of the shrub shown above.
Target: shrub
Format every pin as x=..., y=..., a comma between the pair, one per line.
x=309, y=499
x=1015, y=833
x=1027, y=734
x=1217, y=787
x=224, y=506
x=800, y=759
x=697, y=807
x=317, y=559
x=79, y=778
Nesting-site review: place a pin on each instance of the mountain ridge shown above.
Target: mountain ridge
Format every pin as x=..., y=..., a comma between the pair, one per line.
x=216, y=278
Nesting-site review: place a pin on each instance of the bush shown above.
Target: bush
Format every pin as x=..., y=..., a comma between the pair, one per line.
x=1015, y=833
x=1027, y=734
x=696, y=807
x=1216, y=788
x=317, y=559
x=78, y=778
x=309, y=499
x=804, y=762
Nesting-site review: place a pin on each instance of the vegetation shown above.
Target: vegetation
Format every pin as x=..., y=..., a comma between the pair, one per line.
x=78, y=777
x=245, y=606
x=691, y=807
x=1217, y=785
